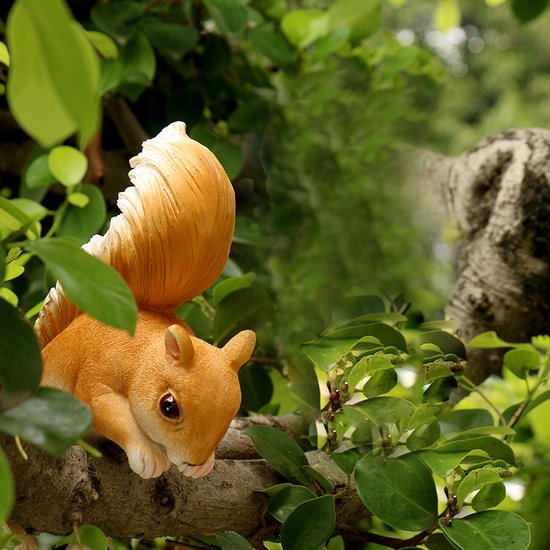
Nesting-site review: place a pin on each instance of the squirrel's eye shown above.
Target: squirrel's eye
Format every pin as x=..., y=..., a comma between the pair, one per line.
x=168, y=406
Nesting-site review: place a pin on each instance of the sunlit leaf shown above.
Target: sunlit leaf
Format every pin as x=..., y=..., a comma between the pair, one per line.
x=447, y=15
x=67, y=164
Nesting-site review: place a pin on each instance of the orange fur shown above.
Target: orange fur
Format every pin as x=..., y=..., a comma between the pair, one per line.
x=170, y=243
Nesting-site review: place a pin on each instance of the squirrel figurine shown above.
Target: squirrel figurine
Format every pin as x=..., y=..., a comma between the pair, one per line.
x=163, y=395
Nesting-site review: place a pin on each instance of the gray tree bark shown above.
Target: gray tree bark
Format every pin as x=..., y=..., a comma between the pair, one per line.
x=499, y=195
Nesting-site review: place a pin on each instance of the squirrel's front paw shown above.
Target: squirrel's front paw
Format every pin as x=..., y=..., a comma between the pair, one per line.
x=148, y=460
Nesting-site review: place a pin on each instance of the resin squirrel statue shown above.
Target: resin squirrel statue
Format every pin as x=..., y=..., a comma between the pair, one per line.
x=163, y=395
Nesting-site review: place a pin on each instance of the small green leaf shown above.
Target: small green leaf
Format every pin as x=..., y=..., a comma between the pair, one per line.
x=229, y=540
x=20, y=361
x=399, y=491
x=321, y=480
x=446, y=342
x=13, y=271
x=230, y=155
x=381, y=410
x=9, y=296
x=80, y=200
x=345, y=460
x=273, y=45
x=330, y=43
x=380, y=382
x=82, y=223
x=490, y=530
x=489, y=340
x=521, y=361
x=447, y=15
x=489, y=496
x=360, y=17
x=38, y=173
x=138, y=66
x=93, y=286
x=118, y=18
x=173, y=39
x=230, y=16
x=281, y=451
x=49, y=418
x=7, y=493
x=309, y=525
x=474, y=481
x=88, y=536
x=443, y=463
x=103, y=43
x=461, y=420
x=285, y=501
x=303, y=27
x=424, y=436
x=67, y=164
x=4, y=54
x=527, y=11
x=12, y=216
x=440, y=390
x=223, y=289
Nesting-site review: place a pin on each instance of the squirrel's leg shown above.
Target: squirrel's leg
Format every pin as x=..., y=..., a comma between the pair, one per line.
x=113, y=418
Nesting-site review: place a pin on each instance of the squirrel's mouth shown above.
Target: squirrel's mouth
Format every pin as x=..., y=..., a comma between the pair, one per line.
x=197, y=470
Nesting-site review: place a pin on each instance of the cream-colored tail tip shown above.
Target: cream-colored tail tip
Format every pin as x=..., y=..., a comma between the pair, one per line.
x=176, y=130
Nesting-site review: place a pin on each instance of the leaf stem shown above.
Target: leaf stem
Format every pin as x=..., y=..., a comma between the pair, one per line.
x=19, y=446
x=467, y=384
x=90, y=449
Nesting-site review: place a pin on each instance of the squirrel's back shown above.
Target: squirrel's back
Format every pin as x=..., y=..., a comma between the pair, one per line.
x=172, y=239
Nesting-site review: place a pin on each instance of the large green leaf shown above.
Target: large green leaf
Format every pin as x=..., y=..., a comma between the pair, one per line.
x=445, y=341
x=286, y=500
x=361, y=17
x=20, y=362
x=173, y=39
x=521, y=361
x=443, y=463
x=527, y=11
x=461, y=420
x=38, y=173
x=494, y=447
x=6, y=488
x=49, y=418
x=490, y=530
x=381, y=410
x=93, y=286
x=230, y=16
x=474, y=481
x=400, y=491
x=309, y=525
x=489, y=496
x=380, y=382
x=281, y=451
x=273, y=45
x=87, y=536
x=53, y=84
x=226, y=287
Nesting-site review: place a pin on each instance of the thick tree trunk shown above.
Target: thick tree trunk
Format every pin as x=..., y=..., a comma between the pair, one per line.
x=499, y=194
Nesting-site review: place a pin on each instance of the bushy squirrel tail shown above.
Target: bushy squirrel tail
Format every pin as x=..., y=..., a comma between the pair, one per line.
x=172, y=239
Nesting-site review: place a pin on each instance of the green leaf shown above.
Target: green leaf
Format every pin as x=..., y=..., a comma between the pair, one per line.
x=399, y=491
x=49, y=418
x=9, y=542
x=474, y=481
x=495, y=448
x=489, y=340
x=461, y=420
x=330, y=43
x=111, y=75
x=326, y=353
x=223, y=289
x=440, y=390
x=138, y=66
x=309, y=525
x=384, y=333
x=20, y=361
x=447, y=15
x=229, y=540
x=4, y=54
x=521, y=361
x=53, y=85
x=303, y=27
x=345, y=460
x=489, y=496
x=381, y=410
x=93, y=286
x=88, y=536
x=256, y=387
x=446, y=342
x=285, y=501
x=527, y=11
x=7, y=493
x=230, y=155
x=490, y=530
x=318, y=477
x=244, y=308
x=82, y=223
x=230, y=16
x=251, y=115
x=443, y=463
x=38, y=173
x=80, y=200
x=424, y=436
x=361, y=17
x=2, y=262
x=380, y=382
x=67, y=164
x=173, y=39
x=13, y=271
x=273, y=45
x=103, y=43
x=118, y=18
x=281, y=451
x=11, y=216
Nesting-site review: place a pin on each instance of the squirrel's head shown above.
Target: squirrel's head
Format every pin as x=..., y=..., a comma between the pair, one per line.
x=189, y=406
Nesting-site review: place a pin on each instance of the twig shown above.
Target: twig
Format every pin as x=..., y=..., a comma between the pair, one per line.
x=467, y=384
x=390, y=542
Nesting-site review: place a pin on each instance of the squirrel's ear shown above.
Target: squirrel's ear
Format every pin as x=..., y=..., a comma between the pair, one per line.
x=178, y=344
x=240, y=348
